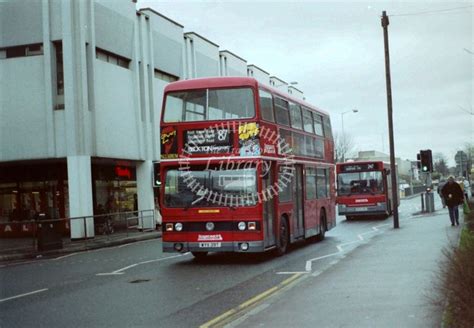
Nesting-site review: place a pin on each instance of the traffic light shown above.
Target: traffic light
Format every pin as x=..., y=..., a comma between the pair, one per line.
x=156, y=174
x=426, y=161
x=418, y=161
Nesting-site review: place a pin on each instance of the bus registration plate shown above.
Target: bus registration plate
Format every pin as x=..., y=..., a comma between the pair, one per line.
x=361, y=209
x=209, y=244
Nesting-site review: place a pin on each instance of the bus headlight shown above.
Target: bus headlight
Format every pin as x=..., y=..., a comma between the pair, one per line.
x=241, y=226
x=252, y=226
x=178, y=226
x=210, y=226
x=244, y=247
x=169, y=227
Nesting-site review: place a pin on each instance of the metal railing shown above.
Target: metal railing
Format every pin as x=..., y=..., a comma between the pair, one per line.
x=95, y=227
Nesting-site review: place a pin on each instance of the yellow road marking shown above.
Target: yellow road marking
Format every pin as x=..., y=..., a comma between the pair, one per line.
x=219, y=319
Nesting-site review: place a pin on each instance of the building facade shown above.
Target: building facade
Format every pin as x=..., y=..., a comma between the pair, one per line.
x=81, y=90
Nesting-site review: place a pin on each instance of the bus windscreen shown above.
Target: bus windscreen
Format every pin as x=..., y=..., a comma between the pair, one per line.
x=360, y=183
x=184, y=189
x=209, y=104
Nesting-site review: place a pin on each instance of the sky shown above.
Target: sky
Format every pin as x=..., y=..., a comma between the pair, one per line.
x=334, y=50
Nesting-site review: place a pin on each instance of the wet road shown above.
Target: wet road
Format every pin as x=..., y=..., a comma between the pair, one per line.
x=138, y=285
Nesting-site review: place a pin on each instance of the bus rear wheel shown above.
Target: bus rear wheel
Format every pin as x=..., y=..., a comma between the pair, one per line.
x=282, y=243
x=323, y=226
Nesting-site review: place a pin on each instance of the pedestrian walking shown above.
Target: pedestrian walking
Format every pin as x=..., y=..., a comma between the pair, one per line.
x=466, y=188
x=454, y=197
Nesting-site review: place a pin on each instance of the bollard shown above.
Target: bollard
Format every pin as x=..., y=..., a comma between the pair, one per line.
x=431, y=208
x=422, y=203
x=429, y=201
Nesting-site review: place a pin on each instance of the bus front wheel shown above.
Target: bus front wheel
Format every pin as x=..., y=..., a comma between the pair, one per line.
x=282, y=244
x=199, y=255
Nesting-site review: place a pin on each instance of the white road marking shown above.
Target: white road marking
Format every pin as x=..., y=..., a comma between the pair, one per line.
x=64, y=256
x=309, y=262
x=121, y=271
x=124, y=245
x=137, y=242
x=109, y=274
x=23, y=295
x=348, y=243
x=292, y=272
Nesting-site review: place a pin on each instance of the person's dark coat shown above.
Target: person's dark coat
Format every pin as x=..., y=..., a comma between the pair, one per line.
x=453, y=194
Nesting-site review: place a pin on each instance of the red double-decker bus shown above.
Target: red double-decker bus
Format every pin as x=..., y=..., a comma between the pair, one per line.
x=244, y=168
x=364, y=189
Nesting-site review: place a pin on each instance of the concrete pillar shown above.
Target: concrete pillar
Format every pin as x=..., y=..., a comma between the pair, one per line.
x=48, y=79
x=80, y=196
x=146, y=199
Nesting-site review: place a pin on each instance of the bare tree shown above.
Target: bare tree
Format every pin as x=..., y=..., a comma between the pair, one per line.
x=440, y=165
x=343, y=146
x=469, y=150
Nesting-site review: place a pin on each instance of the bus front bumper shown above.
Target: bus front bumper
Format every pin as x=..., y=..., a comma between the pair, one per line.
x=362, y=210
x=235, y=246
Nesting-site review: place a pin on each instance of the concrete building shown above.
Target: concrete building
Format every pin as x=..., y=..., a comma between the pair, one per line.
x=81, y=92
x=296, y=92
x=231, y=65
x=259, y=74
x=201, y=57
x=278, y=84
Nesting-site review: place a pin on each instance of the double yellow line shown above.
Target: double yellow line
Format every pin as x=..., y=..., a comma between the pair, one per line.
x=236, y=312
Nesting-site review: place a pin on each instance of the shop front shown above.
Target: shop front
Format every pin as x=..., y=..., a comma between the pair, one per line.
x=114, y=185
x=28, y=189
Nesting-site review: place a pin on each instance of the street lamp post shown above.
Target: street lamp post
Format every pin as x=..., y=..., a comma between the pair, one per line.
x=388, y=79
x=343, y=135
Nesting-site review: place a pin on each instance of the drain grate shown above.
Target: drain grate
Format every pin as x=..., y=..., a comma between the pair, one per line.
x=138, y=281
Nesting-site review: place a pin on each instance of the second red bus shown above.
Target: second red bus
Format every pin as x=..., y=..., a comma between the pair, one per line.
x=364, y=189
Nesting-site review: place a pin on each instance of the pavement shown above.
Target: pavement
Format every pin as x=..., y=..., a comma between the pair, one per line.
x=16, y=249
x=387, y=282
